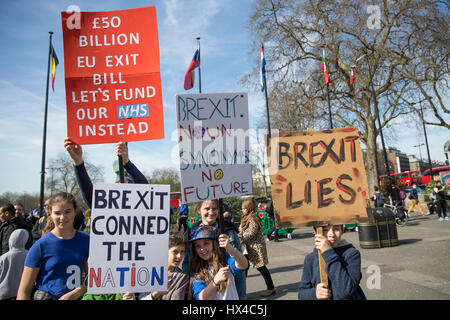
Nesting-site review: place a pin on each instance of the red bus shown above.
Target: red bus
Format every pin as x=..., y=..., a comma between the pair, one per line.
x=408, y=177
x=435, y=171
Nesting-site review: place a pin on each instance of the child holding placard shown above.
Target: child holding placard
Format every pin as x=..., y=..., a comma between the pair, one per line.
x=343, y=268
x=208, y=210
x=55, y=263
x=177, y=280
x=210, y=279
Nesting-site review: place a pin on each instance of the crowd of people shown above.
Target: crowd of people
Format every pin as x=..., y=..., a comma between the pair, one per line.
x=45, y=256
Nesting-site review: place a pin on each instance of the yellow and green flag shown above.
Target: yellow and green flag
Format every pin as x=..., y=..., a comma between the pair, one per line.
x=54, y=62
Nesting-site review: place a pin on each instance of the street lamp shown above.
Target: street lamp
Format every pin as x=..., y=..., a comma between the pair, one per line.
x=374, y=98
x=420, y=153
x=52, y=180
x=425, y=134
x=424, y=129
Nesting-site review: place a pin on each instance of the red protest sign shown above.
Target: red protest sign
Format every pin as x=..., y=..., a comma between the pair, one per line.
x=112, y=76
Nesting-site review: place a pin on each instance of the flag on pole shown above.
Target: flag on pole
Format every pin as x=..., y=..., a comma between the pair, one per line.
x=262, y=69
x=189, y=77
x=352, y=77
x=54, y=63
x=324, y=69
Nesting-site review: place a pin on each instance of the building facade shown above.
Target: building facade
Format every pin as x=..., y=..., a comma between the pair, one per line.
x=398, y=159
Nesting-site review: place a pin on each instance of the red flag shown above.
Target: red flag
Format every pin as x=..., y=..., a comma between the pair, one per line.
x=324, y=70
x=189, y=77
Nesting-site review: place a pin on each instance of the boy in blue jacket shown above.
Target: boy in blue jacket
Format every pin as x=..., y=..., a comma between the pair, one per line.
x=414, y=197
x=343, y=268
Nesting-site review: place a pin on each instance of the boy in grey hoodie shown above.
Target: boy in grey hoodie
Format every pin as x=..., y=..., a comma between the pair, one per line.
x=11, y=264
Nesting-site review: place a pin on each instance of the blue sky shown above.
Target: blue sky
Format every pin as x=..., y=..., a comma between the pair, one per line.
x=225, y=44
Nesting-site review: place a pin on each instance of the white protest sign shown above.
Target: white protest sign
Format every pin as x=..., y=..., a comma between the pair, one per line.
x=214, y=146
x=129, y=238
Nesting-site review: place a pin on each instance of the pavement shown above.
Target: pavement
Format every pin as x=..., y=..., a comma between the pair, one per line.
x=417, y=269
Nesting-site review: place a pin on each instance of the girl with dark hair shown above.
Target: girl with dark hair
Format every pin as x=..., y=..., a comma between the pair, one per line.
x=210, y=279
x=55, y=263
x=208, y=210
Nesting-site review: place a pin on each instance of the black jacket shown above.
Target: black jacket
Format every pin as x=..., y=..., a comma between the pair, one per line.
x=6, y=228
x=39, y=225
x=269, y=209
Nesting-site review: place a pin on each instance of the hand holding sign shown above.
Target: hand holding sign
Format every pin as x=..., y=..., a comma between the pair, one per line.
x=322, y=292
x=222, y=275
x=74, y=150
x=128, y=296
x=122, y=150
x=321, y=242
x=224, y=242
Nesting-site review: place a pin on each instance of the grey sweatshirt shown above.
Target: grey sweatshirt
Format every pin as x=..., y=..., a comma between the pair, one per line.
x=11, y=264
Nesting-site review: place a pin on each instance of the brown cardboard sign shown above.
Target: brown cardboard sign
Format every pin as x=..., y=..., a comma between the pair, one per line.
x=318, y=178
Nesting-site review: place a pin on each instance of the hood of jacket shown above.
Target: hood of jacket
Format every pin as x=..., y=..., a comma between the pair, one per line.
x=18, y=239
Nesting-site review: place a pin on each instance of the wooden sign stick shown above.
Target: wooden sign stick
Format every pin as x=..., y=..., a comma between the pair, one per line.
x=222, y=231
x=121, y=170
x=319, y=230
x=322, y=264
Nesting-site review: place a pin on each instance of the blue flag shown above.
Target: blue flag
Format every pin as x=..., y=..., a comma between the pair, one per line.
x=262, y=69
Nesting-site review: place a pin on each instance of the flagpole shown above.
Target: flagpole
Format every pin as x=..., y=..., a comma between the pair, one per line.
x=329, y=105
x=267, y=99
x=223, y=257
x=220, y=200
x=267, y=104
x=199, y=71
x=327, y=83
x=319, y=229
x=269, y=134
x=44, y=140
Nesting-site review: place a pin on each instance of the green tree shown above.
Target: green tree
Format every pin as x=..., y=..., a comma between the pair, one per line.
x=168, y=176
x=30, y=201
x=60, y=176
